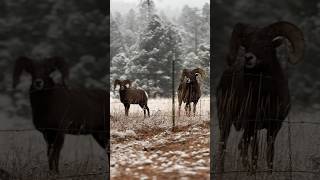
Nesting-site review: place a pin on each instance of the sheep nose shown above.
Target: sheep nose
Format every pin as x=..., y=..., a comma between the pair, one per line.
x=38, y=83
x=250, y=60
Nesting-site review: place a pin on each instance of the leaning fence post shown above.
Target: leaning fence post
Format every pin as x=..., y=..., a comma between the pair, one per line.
x=173, y=92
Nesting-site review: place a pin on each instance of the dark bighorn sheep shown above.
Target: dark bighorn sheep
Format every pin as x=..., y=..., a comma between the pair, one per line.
x=130, y=95
x=253, y=92
x=189, y=89
x=58, y=110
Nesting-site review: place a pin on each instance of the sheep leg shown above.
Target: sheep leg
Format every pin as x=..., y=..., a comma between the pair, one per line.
x=255, y=152
x=127, y=106
x=180, y=102
x=224, y=127
x=243, y=147
x=58, y=146
x=194, y=108
x=49, y=138
x=271, y=138
x=148, y=110
x=187, y=109
x=102, y=140
x=145, y=107
x=54, y=143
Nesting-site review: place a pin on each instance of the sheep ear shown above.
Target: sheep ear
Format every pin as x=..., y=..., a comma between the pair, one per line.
x=200, y=71
x=116, y=82
x=59, y=63
x=21, y=64
x=183, y=74
x=128, y=82
x=276, y=42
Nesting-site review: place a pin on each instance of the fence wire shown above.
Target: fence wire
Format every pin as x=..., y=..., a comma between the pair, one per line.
x=290, y=169
x=170, y=112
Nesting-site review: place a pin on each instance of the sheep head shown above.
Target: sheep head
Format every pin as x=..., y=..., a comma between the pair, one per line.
x=254, y=47
x=191, y=75
x=40, y=71
x=122, y=84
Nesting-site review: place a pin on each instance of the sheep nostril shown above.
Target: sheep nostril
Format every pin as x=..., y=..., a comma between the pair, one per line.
x=250, y=60
x=38, y=83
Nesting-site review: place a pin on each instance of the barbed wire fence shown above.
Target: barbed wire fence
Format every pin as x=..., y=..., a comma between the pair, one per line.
x=25, y=132
x=172, y=104
x=289, y=172
x=4, y=174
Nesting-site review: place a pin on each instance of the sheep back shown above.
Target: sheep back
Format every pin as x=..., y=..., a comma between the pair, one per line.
x=133, y=96
x=80, y=110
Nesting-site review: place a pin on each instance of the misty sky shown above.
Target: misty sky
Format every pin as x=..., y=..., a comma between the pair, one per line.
x=170, y=7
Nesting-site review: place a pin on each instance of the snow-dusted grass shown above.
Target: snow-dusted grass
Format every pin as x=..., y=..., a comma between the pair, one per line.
x=160, y=112
x=147, y=148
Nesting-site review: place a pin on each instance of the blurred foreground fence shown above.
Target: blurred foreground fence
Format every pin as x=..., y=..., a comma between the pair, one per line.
x=5, y=174
x=291, y=125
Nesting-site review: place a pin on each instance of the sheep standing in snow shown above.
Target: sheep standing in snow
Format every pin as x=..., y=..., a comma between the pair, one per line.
x=130, y=95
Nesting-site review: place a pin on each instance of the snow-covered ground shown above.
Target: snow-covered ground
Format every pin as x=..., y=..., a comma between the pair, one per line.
x=149, y=149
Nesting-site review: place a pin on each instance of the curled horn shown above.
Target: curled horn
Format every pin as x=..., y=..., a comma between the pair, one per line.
x=183, y=74
x=200, y=71
x=235, y=42
x=128, y=82
x=22, y=64
x=293, y=34
x=59, y=63
x=116, y=82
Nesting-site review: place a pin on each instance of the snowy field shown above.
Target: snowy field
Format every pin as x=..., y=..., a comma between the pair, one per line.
x=304, y=144
x=23, y=154
x=147, y=148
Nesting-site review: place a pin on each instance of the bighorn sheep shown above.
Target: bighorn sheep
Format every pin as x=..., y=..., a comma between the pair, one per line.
x=189, y=89
x=130, y=95
x=253, y=91
x=58, y=110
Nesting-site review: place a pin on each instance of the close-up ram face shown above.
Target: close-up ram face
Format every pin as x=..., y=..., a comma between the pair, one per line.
x=41, y=76
x=40, y=71
x=190, y=76
x=255, y=47
x=256, y=50
x=123, y=84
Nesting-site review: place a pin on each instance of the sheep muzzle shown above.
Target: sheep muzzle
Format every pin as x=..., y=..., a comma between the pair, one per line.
x=250, y=60
x=38, y=84
x=188, y=80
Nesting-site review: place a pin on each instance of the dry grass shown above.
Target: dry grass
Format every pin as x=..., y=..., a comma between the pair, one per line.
x=23, y=156
x=146, y=148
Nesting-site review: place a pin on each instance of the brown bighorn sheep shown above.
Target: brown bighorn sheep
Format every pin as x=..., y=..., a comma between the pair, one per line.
x=130, y=95
x=253, y=91
x=189, y=89
x=58, y=110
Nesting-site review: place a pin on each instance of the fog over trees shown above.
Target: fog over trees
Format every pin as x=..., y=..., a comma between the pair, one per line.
x=144, y=42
